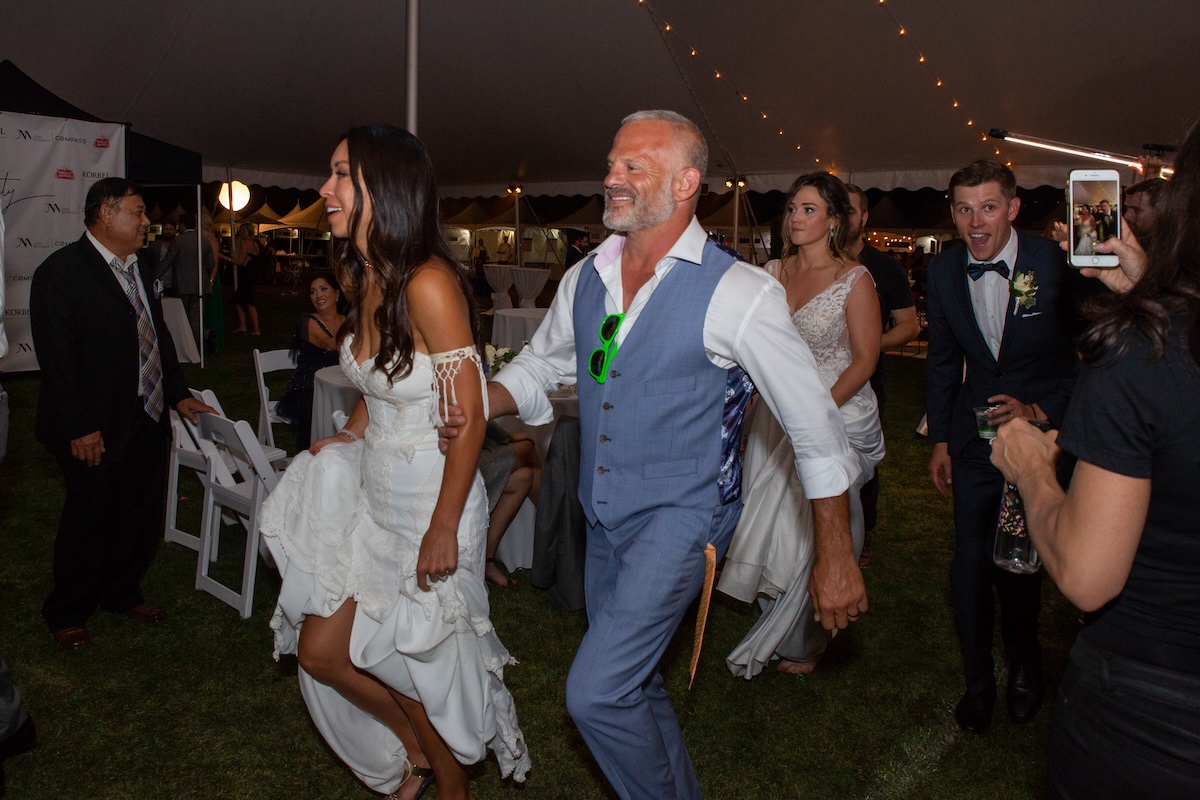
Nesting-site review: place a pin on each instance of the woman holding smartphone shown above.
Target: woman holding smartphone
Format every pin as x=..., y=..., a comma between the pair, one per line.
x=1123, y=543
x=378, y=536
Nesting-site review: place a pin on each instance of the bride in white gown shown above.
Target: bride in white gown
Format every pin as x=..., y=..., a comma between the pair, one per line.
x=378, y=536
x=836, y=311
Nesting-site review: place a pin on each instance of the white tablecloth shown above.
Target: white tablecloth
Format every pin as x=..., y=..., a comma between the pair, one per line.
x=516, y=548
x=332, y=391
x=513, y=327
x=181, y=332
x=500, y=278
x=530, y=283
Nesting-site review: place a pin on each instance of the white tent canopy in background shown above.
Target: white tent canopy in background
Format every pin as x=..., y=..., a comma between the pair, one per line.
x=532, y=91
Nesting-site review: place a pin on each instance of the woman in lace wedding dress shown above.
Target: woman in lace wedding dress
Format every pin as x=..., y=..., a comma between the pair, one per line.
x=836, y=311
x=378, y=536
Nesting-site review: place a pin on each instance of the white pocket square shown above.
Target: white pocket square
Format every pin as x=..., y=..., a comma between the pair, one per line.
x=1031, y=314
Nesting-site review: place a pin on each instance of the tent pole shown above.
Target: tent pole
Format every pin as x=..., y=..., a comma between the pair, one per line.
x=737, y=194
x=232, y=216
x=414, y=16
x=200, y=242
x=517, y=241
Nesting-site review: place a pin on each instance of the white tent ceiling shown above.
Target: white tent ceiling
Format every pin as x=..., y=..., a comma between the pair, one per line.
x=532, y=90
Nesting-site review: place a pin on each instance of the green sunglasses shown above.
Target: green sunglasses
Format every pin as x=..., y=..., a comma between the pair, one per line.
x=603, y=355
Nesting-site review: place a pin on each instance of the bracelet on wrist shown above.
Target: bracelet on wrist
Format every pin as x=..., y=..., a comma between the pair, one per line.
x=353, y=436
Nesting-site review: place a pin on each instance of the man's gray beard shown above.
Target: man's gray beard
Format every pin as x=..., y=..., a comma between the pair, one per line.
x=641, y=215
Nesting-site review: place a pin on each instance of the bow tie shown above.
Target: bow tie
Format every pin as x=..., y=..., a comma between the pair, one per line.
x=976, y=270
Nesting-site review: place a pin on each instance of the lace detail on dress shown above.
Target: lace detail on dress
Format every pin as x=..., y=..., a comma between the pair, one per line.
x=446, y=367
x=822, y=324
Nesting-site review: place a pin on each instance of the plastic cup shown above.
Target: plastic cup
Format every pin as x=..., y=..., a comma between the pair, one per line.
x=983, y=422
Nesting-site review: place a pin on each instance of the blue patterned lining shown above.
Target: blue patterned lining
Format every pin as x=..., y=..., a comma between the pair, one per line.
x=738, y=390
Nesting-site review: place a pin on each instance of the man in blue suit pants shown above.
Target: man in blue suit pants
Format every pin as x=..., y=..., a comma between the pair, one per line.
x=663, y=331
x=998, y=304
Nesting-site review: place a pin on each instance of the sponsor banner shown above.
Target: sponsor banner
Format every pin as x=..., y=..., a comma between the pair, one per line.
x=47, y=165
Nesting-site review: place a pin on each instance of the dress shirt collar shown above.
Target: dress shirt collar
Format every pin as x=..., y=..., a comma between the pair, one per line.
x=109, y=255
x=1007, y=254
x=688, y=247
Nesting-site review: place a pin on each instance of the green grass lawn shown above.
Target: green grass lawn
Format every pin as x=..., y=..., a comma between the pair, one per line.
x=197, y=708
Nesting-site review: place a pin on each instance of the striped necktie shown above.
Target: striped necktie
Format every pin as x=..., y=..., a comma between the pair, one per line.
x=149, y=361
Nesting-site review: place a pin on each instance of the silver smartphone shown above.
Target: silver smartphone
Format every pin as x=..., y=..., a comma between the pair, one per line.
x=1094, y=215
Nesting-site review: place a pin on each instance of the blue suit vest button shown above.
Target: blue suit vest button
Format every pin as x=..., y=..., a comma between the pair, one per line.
x=601, y=470
x=603, y=438
x=607, y=405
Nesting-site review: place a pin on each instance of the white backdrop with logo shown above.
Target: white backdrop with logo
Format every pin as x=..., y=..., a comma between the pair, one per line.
x=47, y=165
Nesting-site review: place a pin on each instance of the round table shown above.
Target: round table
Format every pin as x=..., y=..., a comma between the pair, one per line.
x=332, y=391
x=513, y=327
x=530, y=282
x=500, y=278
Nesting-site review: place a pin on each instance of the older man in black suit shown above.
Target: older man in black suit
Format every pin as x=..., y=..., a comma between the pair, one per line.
x=998, y=303
x=109, y=374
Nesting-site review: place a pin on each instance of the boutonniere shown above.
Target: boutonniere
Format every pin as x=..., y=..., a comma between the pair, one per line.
x=158, y=289
x=497, y=357
x=1024, y=288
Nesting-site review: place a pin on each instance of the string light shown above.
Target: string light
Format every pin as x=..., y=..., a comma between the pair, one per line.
x=921, y=59
x=666, y=28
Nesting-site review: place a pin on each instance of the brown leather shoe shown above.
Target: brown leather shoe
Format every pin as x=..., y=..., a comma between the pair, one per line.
x=144, y=612
x=72, y=638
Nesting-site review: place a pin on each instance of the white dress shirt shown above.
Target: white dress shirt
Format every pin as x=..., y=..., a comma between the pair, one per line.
x=747, y=323
x=990, y=295
x=121, y=274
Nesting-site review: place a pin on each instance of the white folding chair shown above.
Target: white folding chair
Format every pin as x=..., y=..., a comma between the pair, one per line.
x=184, y=453
x=269, y=361
x=276, y=455
x=253, y=479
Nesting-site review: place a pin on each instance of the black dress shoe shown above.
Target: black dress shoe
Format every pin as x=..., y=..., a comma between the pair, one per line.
x=974, y=711
x=1026, y=689
x=72, y=638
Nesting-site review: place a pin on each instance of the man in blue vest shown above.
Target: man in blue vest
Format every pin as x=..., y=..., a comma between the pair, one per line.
x=656, y=327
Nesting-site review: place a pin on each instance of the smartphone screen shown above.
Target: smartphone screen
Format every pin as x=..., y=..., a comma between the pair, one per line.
x=1095, y=197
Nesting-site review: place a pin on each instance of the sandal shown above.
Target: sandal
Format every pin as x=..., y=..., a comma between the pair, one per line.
x=413, y=771
x=504, y=581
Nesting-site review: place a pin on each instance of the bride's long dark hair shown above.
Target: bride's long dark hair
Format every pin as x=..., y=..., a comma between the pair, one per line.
x=391, y=167
x=1170, y=287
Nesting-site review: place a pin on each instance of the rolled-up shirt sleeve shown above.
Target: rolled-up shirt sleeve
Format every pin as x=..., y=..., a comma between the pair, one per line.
x=748, y=323
x=548, y=360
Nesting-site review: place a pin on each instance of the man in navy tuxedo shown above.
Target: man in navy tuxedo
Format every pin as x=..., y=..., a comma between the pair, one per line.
x=998, y=305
